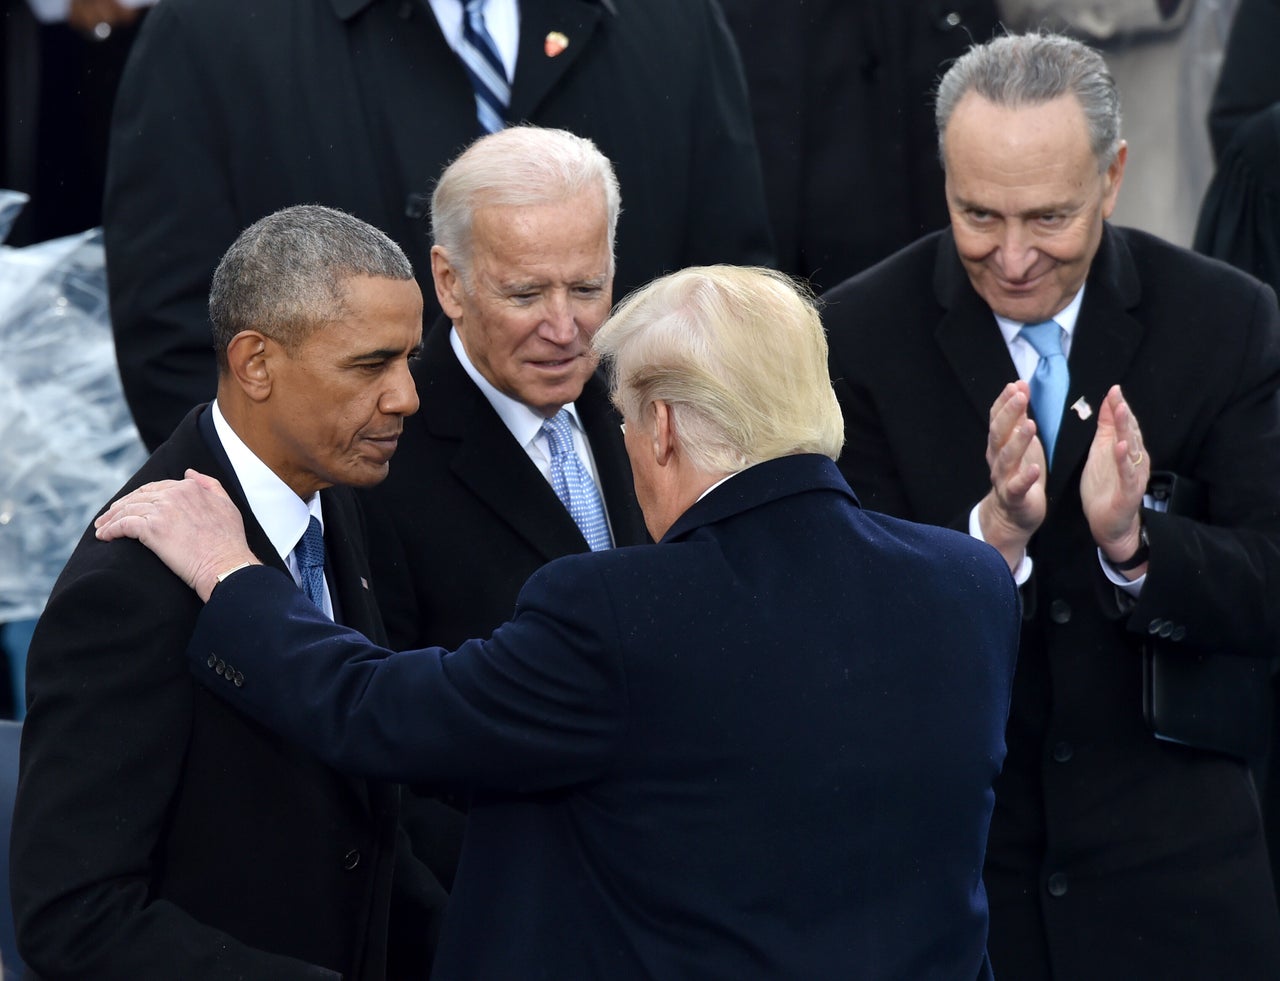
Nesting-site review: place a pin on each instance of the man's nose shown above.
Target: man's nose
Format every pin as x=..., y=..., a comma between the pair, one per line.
x=1017, y=251
x=401, y=398
x=559, y=325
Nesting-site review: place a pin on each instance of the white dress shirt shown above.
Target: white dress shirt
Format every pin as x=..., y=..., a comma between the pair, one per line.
x=526, y=425
x=501, y=20
x=283, y=515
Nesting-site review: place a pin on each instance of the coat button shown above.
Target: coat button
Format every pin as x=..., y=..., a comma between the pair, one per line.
x=1179, y=632
x=1154, y=626
x=213, y=659
x=239, y=679
x=1060, y=611
x=1062, y=752
x=351, y=859
x=1166, y=629
x=221, y=666
x=1057, y=885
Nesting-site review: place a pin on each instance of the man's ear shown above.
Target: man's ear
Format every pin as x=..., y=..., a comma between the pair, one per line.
x=447, y=282
x=664, y=433
x=250, y=357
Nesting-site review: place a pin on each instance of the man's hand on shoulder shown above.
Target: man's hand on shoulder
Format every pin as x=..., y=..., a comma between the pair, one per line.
x=191, y=525
x=1015, y=506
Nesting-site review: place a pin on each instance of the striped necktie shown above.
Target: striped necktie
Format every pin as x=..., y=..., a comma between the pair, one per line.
x=573, y=485
x=1049, y=382
x=484, y=67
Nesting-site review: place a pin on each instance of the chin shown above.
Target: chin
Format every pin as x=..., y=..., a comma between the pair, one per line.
x=365, y=476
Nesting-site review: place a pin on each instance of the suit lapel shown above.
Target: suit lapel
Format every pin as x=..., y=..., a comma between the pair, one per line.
x=486, y=458
x=614, y=468
x=1104, y=344
x=261, y=546
x=417, y=103
x=537, y=72
x=967, y=335
x=345, y=548
x=221, y=468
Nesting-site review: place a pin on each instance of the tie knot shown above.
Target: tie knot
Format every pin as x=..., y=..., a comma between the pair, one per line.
x=310, y=547
x=559, y=433
x=1045, y=337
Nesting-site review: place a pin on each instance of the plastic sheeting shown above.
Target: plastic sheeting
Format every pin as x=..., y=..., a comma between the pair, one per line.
x=67, y=441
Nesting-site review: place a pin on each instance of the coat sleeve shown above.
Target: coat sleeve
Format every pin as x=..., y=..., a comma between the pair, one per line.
x=1215, y=577
x=540, y=704
x=103, y=751
x=168, y=214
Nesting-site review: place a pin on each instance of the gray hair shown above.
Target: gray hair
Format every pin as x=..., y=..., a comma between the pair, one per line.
x=738, y=353
x=1031, y=69
x=517, y=167
x=285, y=275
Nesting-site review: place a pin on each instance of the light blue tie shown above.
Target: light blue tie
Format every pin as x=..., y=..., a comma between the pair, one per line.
x=1050, y=381
x=573, y=485
x=484, y=66
x=310, y=555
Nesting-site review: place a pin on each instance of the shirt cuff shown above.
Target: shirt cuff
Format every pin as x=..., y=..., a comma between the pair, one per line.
x=1131, y=586
x=1023, y=570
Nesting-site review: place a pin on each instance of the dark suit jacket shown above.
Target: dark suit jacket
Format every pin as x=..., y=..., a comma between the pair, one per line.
x=841, y=96
x=230, y=110
x=1112, y=855
x=464, y=517
x=762, y=748
x=159, y=834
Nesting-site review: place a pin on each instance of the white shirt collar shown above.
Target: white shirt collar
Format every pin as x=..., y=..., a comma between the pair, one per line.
x=501, y=20
x=1064, y=318
x=281, y=513
x=525, y=424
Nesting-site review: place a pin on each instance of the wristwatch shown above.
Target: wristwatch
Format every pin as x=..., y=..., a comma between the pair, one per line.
x=1138, y=557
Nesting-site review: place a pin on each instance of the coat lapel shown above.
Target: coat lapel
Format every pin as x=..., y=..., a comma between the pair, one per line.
x=1103, y=346
x=261, y=546
x=487, y=459
x=968, y=335
x=612, y=465
x=538, y=70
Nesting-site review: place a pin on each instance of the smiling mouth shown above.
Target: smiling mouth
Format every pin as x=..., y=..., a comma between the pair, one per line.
x=551, y=364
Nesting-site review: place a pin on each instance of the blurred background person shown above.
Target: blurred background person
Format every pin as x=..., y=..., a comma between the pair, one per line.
x=230, y=109
x=840, y=95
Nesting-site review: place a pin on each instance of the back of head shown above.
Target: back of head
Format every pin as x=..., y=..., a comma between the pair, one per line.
x=1029, y=69
x=284, y=276
x=738, y=353
x=515, y=167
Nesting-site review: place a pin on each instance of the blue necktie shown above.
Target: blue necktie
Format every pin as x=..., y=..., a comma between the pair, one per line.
x=1049, y=383
x=573, y=485
x=484, y=67
x=310, y=555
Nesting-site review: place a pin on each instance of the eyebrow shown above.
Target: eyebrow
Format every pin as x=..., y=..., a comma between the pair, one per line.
x=383, y=354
